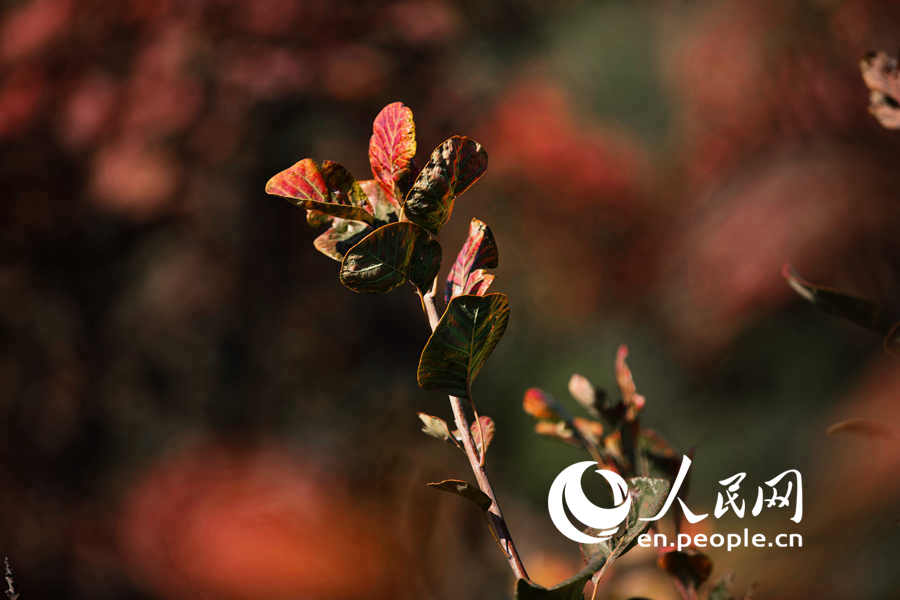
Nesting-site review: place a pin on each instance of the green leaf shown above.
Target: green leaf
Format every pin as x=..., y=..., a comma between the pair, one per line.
x=479, y=252
x=329, y=190
x=390, y=256
x=570, y=589
x=340, y=237
x=454, y=166
x=464, y=489
x=436, y=428
x=648, y=495
x=391, y=147
x=461, y=343
x=861, y=311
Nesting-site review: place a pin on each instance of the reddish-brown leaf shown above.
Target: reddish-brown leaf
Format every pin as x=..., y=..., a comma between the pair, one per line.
x=479, y=252
x=391, y=147
x=485, y=424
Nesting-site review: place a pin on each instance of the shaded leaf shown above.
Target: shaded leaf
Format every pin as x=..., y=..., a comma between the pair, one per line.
x=391, y=148
x=648, y=495
x=539, y=404
x=479, y=252
x=390, y=256
x=436, y=428
x=690, y=568
x=454, y=166
x=329, y=191
x=464, y=489
x=340, y=237
x=466, y=335
x=862, y=427
x=861, y=311
x=881, y=76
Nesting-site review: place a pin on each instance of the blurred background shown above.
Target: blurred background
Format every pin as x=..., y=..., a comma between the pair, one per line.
x=194, y=407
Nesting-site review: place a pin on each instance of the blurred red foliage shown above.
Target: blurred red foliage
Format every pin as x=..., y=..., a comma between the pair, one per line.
x=211, y=521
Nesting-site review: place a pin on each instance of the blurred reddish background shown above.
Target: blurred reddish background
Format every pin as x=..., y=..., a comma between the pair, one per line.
x=194, y=406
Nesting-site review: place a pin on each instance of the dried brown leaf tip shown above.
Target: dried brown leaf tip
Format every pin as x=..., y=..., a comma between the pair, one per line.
x=880, y=74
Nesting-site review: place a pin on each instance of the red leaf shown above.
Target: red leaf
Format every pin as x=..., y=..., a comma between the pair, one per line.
x=392, y=146
x=328, y=189
x=479, y=252
x=302, y=181
x=485, y=424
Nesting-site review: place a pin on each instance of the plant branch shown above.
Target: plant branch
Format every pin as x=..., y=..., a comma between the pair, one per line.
x=476, y=462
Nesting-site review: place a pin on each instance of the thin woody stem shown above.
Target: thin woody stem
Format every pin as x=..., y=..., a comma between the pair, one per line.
x=476, y=462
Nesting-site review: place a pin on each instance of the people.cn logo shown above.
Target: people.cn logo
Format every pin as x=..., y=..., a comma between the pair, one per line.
x=566, y=491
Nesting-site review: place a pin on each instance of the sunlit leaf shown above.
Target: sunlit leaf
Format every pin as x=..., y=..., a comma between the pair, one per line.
x=648, y=495
x=466, y=335
x=436, y=428
x=479, y=252
x=590, y=397
x=862, y=427
x=391, y=147
x=630, y=398
x=340, y=237
x=690, y=568
x=379, y=202
x=592, y=430
x=390, y=256
x=557, y=430
x=485, y=424
x=464, y=489
x=861, y=311
x=329, y=190
x=882, y=77
x=454, y=166
x=539, y=404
